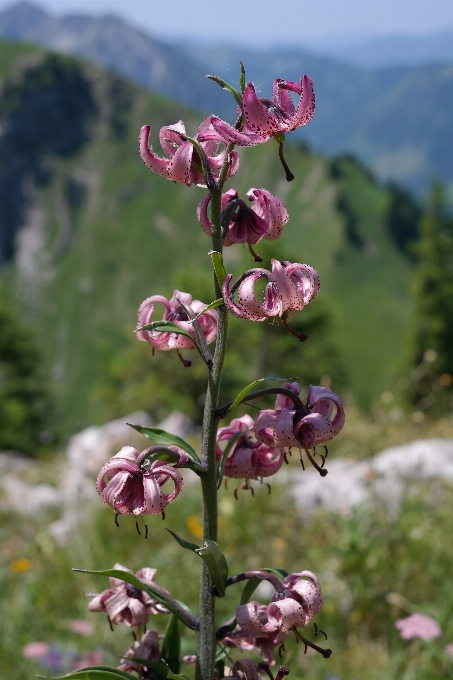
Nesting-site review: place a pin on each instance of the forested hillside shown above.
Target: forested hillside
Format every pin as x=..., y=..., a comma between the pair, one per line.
x=88, y=233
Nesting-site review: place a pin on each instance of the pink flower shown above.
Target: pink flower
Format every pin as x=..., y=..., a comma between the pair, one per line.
x=145, y=648
x=418, y=626
x=129, y=487
x=36, y=650
x=264, y=117
x=248, y=458
x=175, y=312
x=123, y=602
x=290, y=287
x=81, y=627
x=266, y=627
x=183, y=163
x=264, y=219
x=284, y=426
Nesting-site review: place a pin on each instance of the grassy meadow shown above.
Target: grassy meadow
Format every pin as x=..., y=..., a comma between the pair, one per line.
x=374, y=568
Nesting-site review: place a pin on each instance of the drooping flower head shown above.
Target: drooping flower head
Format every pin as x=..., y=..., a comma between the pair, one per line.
x=318, y=422
x=174, y=311
x=183, y=163
x=268, y=626
x=265, y=118
x=290, y=287
x=265, y=218
x=124, y=603
x=130, y=487
x=248, y=458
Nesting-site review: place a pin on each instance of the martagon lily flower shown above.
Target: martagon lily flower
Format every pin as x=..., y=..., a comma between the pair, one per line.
x=147, y=648
x=290, y=287
x=130, y=487
x=125, y=603
x=265, y=217
x=248, y=458
x=319, y=421
x=267, y=627
x=184, y=163
x=264, y=117
x=174, y=311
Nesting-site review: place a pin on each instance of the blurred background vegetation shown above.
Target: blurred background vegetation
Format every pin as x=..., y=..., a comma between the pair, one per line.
x=87, y=233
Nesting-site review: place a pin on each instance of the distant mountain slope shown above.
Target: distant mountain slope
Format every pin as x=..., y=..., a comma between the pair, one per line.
x=94, y=232
x=395, y=119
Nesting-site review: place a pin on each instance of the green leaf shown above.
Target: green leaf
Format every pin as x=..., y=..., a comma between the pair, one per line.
x=184, y=544
x=175, y=676
x=133, y=580
x=173, y=457
x=155, y=666
x=168, y=327
x=229, y=88
x=165, y=438
x=212, y=305
x=171, y=645
x=222, y=461
x=243, y=393
x=242, y=77
x=217, y=261
x=249, y=588
x=216, y=563
x=94, y=673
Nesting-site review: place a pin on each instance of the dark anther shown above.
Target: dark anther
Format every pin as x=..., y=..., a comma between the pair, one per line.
x=163, y=514
x=325, y=634
x=285, y=458
x=302, y=461
x=282, y=671
x=116, y=519
x=138, y=528
x=321, y=471
x=152, y=351
x=323, y=459
x=225, y=481
x=300, y=336
x=185, y=362
x=316, y=629
x=281, y=649
x=289, y=174
x=235, y=494
x=146, y=531
x=134, y=635
x=252, y=491
x=256, y=257
x=110, y=624
x=326, y=450
x=269, y=487
x=325, y=652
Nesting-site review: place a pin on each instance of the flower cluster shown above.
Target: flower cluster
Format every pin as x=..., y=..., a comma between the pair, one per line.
x=319, y=421
x=268, y=626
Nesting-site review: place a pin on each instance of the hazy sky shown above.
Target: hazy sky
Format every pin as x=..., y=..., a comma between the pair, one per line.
x=262, y=22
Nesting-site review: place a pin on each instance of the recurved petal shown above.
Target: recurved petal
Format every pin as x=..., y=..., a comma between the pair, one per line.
x=169, y=137
x=282, y=98
x=305, y=278
x=286, y=614
x=264, y=426
x=248, y=301
x=266, y=461
x=150, y=159
x=229, y=134
x=306, y=107
x=307, y=589
x=180, y=165
x=270, y=208
x=202, y=214
x=285, y=402
x=283, y=429
x=323, y=400
x=288, y=289
x=253, y=617
x=259, y=119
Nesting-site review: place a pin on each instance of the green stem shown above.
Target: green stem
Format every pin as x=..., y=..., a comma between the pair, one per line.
x=206, y=636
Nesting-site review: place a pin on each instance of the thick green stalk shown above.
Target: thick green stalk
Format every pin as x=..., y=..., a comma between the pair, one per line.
x=206, y=635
